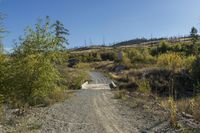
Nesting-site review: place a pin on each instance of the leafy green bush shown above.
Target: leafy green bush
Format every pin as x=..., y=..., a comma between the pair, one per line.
x=86, y=56
x=72, y=78
x=135, y=55
x=30, y=75
x=196, y=73
x=195, y=68
x=125, y=61
x=185, y=48
x=177, y=47
x=139, y=56
x=188, y=61
x=163, y=47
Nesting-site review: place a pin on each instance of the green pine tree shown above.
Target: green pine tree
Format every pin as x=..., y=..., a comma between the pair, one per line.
x=61, y=34
x=194, y=35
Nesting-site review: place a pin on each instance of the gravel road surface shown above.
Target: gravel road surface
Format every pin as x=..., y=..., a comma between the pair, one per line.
x=92, y=111
x=99, y=78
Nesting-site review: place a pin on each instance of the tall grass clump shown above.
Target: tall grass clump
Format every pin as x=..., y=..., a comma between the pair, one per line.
x=190, y=106
x=173, y=112
x=144, y=86
x=120, y=94
x=171, y=106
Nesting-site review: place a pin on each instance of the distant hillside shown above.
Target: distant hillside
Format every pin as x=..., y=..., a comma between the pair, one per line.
x=138, y=41
x=144, y=41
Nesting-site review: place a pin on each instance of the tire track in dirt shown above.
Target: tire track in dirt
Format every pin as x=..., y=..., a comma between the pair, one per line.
x=110, y=113
x=106, y=117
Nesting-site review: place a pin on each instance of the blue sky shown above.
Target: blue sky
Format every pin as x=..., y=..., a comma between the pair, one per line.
x=113, y=20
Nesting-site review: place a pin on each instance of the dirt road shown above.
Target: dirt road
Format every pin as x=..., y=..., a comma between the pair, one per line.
x=90, y=111
x=99, y=78
x=93, y=111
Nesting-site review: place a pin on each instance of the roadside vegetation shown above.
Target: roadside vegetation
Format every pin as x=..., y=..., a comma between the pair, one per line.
x=36, y=72
x=168, y=71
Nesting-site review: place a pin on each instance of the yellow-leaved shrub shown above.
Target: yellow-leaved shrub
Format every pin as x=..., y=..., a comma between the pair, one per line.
x=170, y=61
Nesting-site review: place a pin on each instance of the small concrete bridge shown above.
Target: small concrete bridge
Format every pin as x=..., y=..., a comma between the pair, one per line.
x=86, y=85
x=98, y=82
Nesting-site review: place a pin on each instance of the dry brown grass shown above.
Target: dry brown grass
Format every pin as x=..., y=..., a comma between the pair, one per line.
x=103, y=65
x=120, y=94
x=85, y=66
x=2, y=113
x=114, y=76
x=171, y=106
x=190, y=106
x=143, y=86
x=59, y=95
